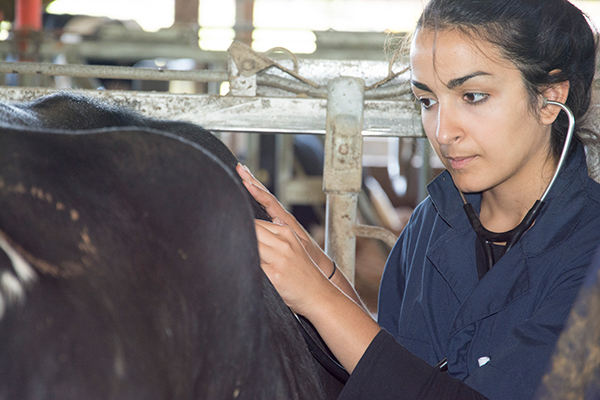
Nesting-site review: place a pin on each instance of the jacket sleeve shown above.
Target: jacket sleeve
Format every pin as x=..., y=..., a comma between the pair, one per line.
x=389, y=371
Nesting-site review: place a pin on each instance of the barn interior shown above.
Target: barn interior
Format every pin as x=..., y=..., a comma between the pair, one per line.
x=256, y=73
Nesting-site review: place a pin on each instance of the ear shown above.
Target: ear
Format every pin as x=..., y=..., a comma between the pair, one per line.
x=555, y=92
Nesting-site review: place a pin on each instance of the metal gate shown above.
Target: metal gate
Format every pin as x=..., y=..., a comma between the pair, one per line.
x=343, y=100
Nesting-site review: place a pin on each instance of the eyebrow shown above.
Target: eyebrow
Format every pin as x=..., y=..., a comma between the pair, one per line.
x=453, y=84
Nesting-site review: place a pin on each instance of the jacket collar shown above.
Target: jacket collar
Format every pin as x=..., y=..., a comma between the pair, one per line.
x=453, y=254
x=448, y=202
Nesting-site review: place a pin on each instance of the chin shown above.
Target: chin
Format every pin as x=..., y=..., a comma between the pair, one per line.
x=468, y=185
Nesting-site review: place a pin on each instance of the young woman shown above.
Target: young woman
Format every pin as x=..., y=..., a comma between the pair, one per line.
x=489, y=307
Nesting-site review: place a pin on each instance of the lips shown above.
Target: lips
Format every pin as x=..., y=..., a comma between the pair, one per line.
x=458, y=163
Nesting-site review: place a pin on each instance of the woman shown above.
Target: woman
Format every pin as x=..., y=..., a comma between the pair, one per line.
x=486, y=74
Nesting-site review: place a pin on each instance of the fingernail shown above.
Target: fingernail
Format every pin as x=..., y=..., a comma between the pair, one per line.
x=279, y=221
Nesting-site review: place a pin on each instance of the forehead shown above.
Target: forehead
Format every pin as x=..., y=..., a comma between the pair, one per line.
x=450, y=53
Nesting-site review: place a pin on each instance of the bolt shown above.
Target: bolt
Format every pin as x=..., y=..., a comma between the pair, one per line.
x=248, y=65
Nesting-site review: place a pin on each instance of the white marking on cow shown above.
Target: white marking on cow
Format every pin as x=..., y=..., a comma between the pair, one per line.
x=12, y=288
x=25, y=272
x=119, y=361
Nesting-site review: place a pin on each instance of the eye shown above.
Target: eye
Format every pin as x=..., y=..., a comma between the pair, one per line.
x=427, y=103
x=475, y=97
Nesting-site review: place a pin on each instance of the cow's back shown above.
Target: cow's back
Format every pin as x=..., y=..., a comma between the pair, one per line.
x=147, y=279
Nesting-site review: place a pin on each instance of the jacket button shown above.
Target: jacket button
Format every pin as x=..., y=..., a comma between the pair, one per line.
x=483, y=360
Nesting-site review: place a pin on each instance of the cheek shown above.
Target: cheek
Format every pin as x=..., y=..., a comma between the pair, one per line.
x=436, y=147
x=429, y=126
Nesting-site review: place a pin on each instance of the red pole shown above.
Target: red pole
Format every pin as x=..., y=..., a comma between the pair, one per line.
x=28, y=24
x=28, y=15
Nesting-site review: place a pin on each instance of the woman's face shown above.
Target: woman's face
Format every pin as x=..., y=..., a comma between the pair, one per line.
x=476, y=114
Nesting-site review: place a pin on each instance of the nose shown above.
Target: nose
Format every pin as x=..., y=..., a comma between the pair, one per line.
x=449, y=129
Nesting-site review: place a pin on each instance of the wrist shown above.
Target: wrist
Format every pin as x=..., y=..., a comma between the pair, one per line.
x=333, y=270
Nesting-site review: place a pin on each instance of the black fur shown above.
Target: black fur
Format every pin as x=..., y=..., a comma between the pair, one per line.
x=154, y=290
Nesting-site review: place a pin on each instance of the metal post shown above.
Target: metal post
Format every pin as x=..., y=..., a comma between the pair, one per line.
x=244, y=21
x=186, y=12
x=28, y=27
x=343, y=169
x=28, y=15
x=284, y=167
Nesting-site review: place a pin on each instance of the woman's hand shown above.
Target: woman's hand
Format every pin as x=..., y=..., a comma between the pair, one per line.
x=289, y=267
x=282, y=217
x=342, y=323
x=290, y=257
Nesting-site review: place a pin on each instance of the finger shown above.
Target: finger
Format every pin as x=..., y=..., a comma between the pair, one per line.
x=245, y=174
x=261, y=194
x=275, y=235
x=293, y=225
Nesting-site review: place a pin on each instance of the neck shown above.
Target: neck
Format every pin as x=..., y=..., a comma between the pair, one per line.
x=505, y=206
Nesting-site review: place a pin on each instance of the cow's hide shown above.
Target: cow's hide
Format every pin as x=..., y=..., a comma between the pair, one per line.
x=143, y=277
x=139, y=275
x=72, y=111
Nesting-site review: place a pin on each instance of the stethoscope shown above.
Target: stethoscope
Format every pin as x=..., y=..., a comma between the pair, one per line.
x=511, y=237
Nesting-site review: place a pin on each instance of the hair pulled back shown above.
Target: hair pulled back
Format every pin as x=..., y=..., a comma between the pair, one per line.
x=538, y=36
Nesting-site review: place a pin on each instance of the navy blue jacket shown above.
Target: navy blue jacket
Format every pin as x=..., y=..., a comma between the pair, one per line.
x=574, y=372
x=433, y=304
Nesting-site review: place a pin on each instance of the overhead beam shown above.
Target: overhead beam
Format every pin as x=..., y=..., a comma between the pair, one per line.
x=186, y=12
x=249, y=114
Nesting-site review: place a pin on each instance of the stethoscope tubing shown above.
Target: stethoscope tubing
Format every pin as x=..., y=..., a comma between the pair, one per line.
x=511, y=237
x=566, y=146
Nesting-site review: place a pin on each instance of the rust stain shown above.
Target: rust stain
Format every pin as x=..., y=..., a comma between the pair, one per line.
x=71, y=270
x=86, y=244
x=37, y=192
x=20, y=188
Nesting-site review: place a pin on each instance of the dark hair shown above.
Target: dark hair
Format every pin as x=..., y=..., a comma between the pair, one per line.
x=538, y=36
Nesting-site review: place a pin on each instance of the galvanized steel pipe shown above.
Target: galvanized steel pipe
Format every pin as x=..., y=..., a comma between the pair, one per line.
x=103, y=71
x=343, y=169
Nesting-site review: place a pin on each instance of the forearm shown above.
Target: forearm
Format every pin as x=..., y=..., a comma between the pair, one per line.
x=344, y=325
x=340, y=280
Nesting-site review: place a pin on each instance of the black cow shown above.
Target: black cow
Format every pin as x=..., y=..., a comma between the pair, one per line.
x=71, y=111
x=131, y=268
